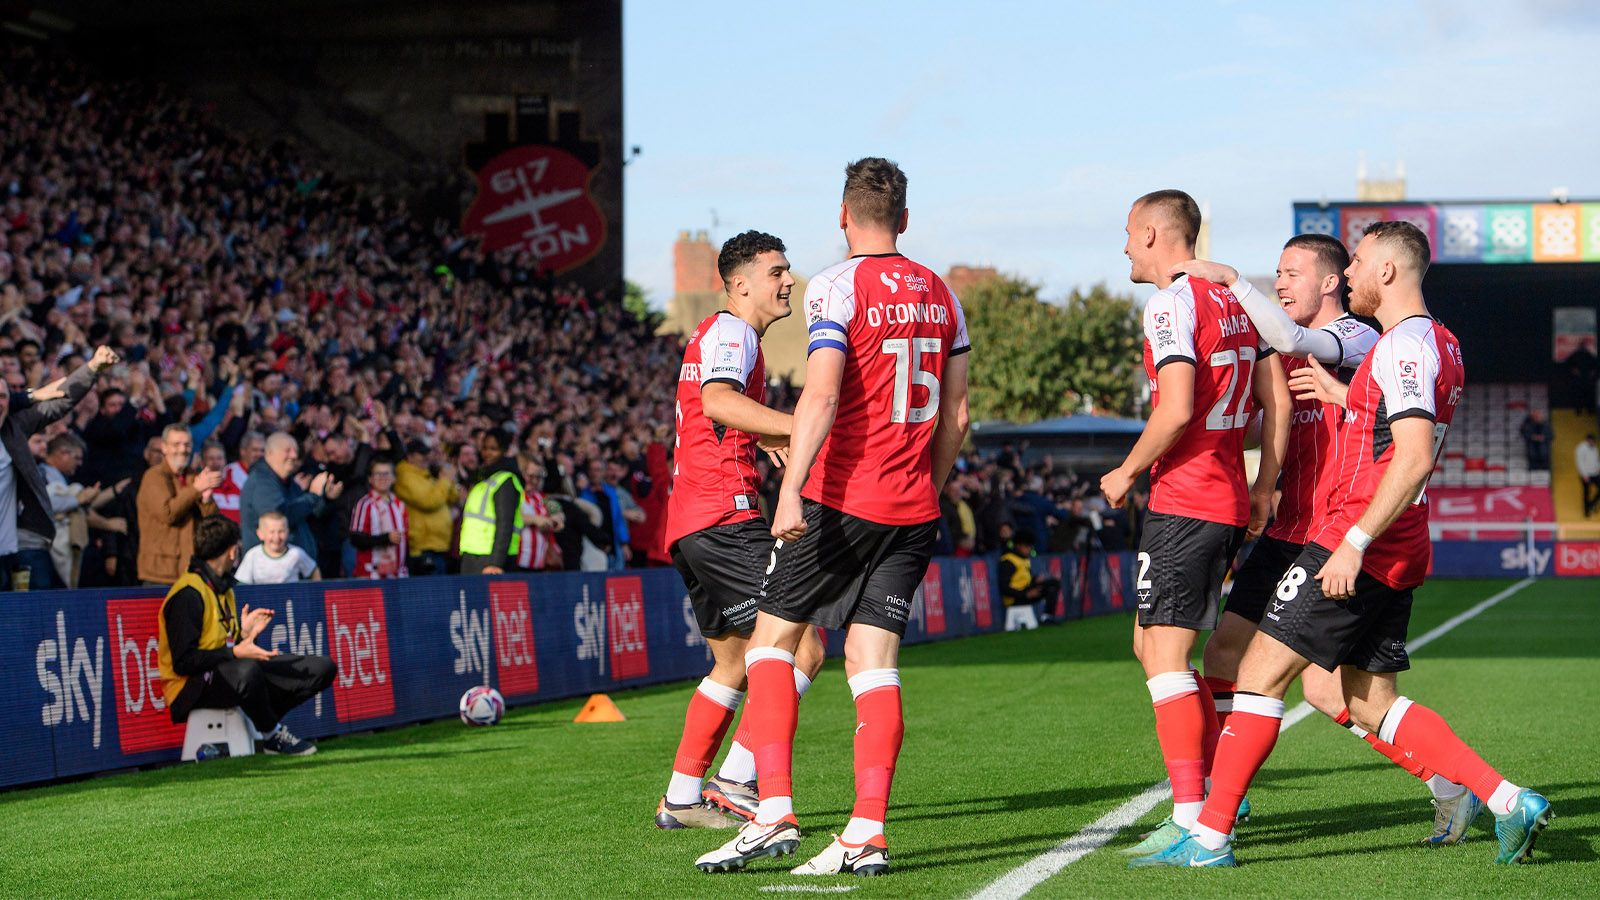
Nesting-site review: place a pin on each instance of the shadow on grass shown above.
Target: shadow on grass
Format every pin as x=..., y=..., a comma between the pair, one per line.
x=999, y=803
x=1303, y=826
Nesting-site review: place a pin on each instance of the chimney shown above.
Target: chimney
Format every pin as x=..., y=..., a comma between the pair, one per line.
x=960, y=278
x=695, y=264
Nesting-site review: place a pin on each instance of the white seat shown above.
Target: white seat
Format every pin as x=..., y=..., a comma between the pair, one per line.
x=1020, y=616
x=228, y=727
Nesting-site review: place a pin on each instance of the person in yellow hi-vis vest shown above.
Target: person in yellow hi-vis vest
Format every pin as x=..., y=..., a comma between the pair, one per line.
x=1018, y=584
x=491, y=521
x=207, y=651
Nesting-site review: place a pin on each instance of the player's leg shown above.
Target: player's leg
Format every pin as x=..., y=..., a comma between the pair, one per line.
x=773, y=711
x=871, y=663
x=711, y=711
x=733, y=788
x=1184, y=561
x=1520, y=814
x=1301, y=627
x=714, y=564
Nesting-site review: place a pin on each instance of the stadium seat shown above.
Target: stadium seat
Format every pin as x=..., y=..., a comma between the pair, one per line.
x=227, y=727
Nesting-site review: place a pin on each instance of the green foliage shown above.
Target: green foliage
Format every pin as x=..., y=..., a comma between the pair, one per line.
x=637, y=303
x=1035, y=360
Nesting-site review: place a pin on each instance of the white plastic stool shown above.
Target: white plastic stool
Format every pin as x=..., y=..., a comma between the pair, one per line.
x=219, y=726
x=1021, y=616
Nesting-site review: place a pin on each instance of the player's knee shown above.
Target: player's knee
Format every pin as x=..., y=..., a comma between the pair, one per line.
x=730, y=673
x=808, y=657
x=1324, y=700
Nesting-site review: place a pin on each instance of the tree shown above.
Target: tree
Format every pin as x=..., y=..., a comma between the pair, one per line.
x=1107, y=367
x=1036, y=360
x=637, y=303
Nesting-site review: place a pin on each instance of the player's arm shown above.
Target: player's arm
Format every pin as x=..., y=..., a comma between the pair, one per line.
x=1402, y=483
x=726, y=404
x=1271, y=390
x=951, y=432
x=1280, y=332
x=813, y=418
x=1175, y=385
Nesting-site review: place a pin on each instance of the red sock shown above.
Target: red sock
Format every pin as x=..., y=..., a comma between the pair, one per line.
x=1222, y=698
x=1240, y=753
x=1397, y=756
x=741, y=735
x=1213, y=726
x=1423, y=733
x=1180, y=727
x=703, y=727
x=773, y=710
x=880, y=727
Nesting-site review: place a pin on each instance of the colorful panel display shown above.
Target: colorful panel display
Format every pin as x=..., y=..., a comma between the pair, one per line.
x=1472, y=233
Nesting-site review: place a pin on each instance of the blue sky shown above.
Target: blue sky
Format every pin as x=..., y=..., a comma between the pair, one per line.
x=1026, y=128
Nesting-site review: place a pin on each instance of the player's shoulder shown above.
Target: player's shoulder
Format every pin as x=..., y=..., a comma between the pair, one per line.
x=837, y=277
x=724, y=326
x=1348, y=327
x=1173, y=303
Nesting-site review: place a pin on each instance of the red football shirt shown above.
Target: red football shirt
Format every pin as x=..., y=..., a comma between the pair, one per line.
x=714, y=475
x=1201, y=323
x=1308, y=466
x=897, y=324
x=1414, y=370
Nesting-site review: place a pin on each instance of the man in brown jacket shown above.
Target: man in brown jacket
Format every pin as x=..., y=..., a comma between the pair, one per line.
x=172, y=498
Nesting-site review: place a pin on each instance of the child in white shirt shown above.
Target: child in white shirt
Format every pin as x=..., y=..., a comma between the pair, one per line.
x=275, y=560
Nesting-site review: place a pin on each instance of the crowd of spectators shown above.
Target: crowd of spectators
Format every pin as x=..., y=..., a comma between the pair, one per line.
x=302, y=354
x=295, y=330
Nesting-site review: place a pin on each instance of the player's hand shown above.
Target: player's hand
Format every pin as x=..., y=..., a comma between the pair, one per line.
x=1314, y=382
x=1116, y=484
x=1260, y=512
x=1206, y=270
x=776, y=447
x=248, y=650
x=1338, y=574
x=788, y=521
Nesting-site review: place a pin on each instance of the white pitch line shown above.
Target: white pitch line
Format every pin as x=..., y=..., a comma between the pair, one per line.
x=809, y=888
x=1024, y=878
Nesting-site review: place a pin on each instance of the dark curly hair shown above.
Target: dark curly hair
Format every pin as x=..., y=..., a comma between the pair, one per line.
x=742, y=249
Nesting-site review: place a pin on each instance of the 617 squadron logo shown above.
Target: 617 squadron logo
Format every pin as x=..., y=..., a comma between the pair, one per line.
x=537, y=199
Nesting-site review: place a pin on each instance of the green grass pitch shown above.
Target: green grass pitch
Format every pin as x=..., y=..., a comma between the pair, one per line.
x=1014, y=742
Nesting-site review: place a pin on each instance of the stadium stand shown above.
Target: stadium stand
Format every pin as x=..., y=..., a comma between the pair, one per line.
x=213, y=262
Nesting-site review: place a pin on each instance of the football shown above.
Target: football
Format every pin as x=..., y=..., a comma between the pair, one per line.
x=482, y=705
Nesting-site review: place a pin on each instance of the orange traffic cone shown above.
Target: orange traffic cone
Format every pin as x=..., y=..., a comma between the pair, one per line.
x=600, y=709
